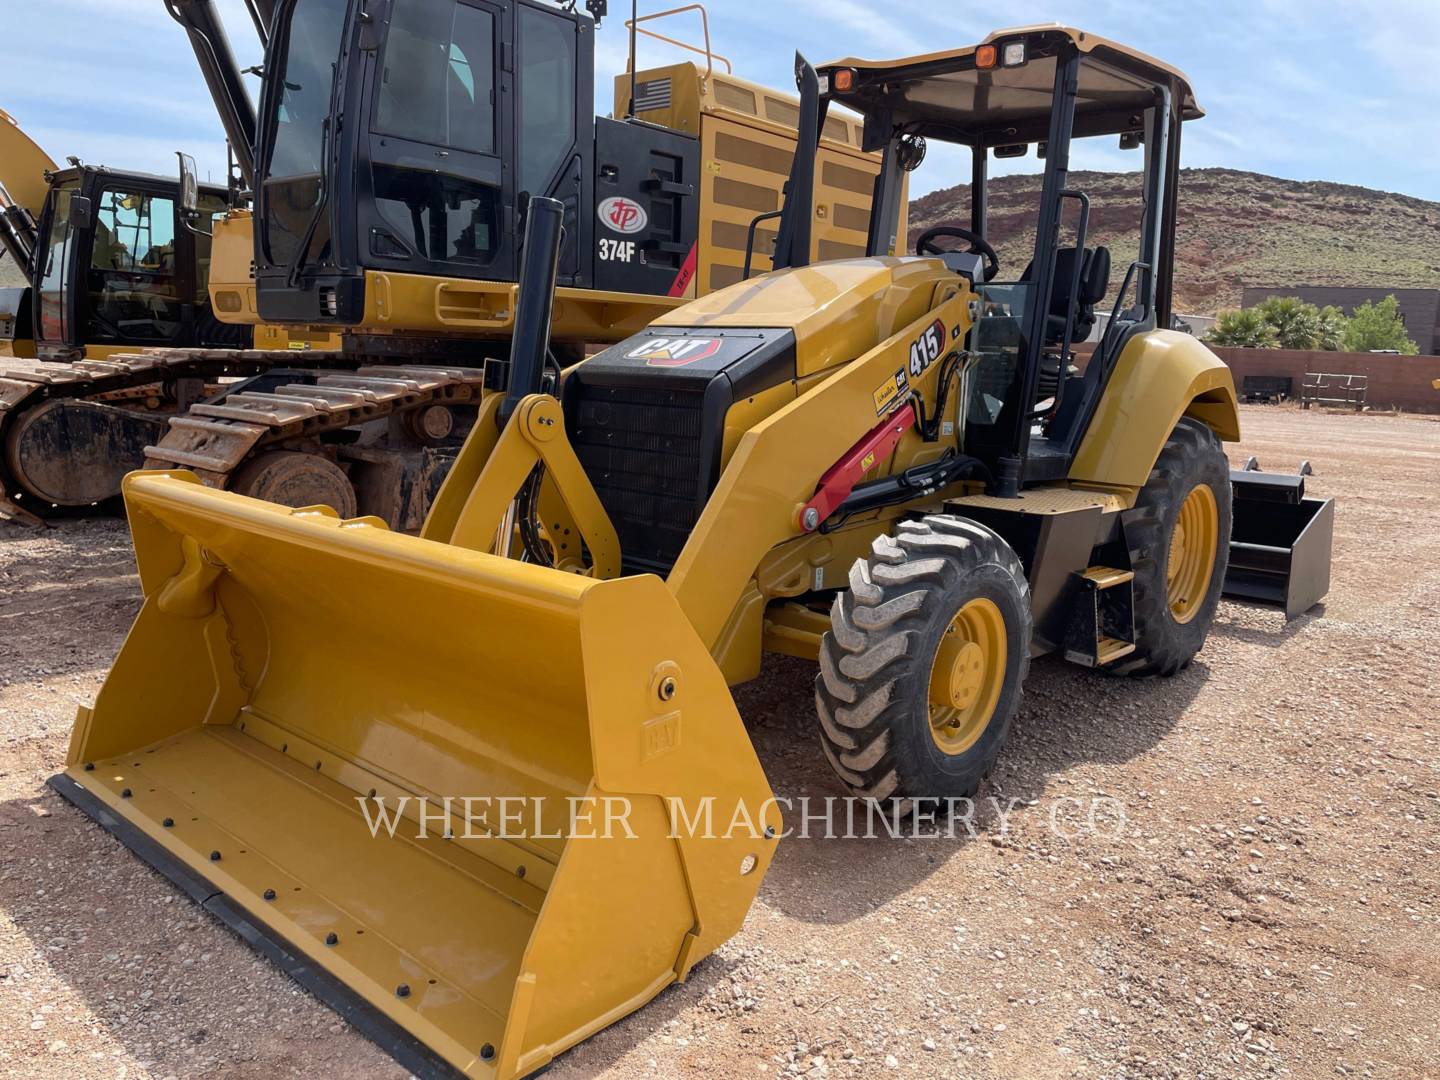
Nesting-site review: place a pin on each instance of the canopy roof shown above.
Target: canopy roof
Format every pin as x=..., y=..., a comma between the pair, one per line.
x=942, y=95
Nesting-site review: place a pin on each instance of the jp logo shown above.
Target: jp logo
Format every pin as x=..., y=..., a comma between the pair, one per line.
x=623, y=215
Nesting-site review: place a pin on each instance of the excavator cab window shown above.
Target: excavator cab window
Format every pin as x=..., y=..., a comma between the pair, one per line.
x=547, y=98
x=133, y=279
x=293, y=186
x=435, y=121
x=54, y=256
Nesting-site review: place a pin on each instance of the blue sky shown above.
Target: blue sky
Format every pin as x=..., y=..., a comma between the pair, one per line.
x=1339, y=90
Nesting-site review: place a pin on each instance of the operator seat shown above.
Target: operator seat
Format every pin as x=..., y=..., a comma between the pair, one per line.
x=1094, y=284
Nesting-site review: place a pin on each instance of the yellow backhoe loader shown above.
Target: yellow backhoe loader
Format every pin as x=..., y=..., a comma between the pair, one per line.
x=882, y=463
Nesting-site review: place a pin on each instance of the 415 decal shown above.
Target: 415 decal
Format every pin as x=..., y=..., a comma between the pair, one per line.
x=927, y=348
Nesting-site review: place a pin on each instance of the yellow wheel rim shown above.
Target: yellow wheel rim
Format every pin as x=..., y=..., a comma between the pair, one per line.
x=967, y=676
x=1192, y=553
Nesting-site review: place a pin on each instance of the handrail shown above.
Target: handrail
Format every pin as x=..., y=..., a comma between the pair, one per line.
x=710, y=55
x=750, y=239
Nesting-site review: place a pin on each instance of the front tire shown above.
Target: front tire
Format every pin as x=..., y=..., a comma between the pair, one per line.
x=1179, y=539
x=921, y=671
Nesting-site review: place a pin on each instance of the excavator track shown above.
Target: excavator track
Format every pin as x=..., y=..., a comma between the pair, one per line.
x=120, y=406
x=39, y=465
x=277, y=445
x=212, y=440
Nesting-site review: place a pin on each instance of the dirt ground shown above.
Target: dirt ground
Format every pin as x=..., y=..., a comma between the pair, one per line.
x=1267, y=905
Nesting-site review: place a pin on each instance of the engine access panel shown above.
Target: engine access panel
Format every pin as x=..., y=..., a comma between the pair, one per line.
x=647, y=208
x=647, y=420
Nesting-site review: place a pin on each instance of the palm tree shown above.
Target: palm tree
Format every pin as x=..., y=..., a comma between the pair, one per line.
x=1242, y=329
x=1331, y=333
x=1296, y=323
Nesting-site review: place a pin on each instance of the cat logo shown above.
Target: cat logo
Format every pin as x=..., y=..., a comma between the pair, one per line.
x=674, y=352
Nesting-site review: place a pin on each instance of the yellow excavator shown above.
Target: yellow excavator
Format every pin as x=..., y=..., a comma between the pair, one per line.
x=108, y=275
x=883, y=463
x=412, y=269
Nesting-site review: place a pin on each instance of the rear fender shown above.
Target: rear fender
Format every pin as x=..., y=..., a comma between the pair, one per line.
x=1161, y=376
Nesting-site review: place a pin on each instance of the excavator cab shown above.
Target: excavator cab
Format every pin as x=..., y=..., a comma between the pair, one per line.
x=456, y=115
x=115, y=268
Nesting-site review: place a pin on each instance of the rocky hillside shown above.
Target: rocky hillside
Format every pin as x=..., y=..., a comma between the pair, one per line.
x=1234, y=229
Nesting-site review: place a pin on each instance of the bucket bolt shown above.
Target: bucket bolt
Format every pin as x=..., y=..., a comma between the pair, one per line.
x=214, y=856
x=667, y=688
x=168, y=823
x=487, y=1052
x=125, y=793
x=269, y=894
x=403, y=990
x=89, y=766
x=332, y=938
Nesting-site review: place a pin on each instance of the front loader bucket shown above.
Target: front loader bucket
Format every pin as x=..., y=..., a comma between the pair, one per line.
x=1279, y=541
x=287, y=667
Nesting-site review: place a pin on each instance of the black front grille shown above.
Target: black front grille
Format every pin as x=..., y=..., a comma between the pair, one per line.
x=642, y=451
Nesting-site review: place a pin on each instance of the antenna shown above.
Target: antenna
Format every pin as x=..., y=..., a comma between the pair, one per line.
x=634, y=22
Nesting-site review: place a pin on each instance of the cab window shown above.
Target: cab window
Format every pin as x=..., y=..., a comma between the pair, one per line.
x=547, y=97
x=54, y=256
x=134, y=284
x=438, y=83
x=437, y=87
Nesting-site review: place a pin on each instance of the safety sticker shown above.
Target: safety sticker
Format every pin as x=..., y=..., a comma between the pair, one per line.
x=890, y=393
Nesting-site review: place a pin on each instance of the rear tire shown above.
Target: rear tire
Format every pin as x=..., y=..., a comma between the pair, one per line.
x=1179, y=534
x=942, y=589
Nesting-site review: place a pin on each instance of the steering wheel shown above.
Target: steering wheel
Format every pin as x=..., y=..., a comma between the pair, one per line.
x=925, y=245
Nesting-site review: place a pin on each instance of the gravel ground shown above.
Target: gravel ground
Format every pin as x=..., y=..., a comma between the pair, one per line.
x=1266, y=906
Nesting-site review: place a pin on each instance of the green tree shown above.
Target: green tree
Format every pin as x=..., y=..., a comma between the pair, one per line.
x=1244, y=329
x=1331, y=334
x=1378, y=326
x=1296, y=323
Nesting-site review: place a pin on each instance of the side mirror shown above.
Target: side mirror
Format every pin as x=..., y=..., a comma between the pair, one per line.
x=189, y=186
x=82, y=212
x=189, y=194
x=1012, y=150
x=1130, y=140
